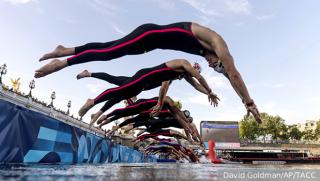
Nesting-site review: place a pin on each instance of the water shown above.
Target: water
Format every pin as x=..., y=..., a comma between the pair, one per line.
x=151, y=171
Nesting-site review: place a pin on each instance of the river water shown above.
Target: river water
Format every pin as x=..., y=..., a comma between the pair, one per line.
x=163, y=171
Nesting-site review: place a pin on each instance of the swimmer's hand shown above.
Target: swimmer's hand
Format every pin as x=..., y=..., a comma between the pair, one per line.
x=252, y=108
x=195, y=138
x=213, y=99
x=155, y=110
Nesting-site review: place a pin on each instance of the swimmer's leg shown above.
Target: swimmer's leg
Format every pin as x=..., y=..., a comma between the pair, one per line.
x=59, y=51
x=54, y=66
x=139, y=41
x=62, y=51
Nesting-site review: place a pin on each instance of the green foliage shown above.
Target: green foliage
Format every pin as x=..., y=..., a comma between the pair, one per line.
x=317, y=131
x=309, y=135
x=295, y=133
x=271, y=125
x=248, y=128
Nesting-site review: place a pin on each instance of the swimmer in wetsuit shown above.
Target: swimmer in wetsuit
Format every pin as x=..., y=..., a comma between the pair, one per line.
x=154, y=124
x=117, y=80
x=162, y=132
x=169, y=149
x=183, y=36
x=147, y=79
x=165, y=119
x=183, y=150
x=141, y=105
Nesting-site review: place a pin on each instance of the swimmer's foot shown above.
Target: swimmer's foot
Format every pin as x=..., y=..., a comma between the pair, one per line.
x=53, y=66
x=84, y=74
x=110, y=133
x=94, y=117
x=60, y=51
x=85, y=108
x=101, y=119
x=128, y=128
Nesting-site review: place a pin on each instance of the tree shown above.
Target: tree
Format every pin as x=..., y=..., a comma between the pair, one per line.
x=271, y=125
x=274, y=125
x=248, y=128
x=284, y=134
x=295, y=133
x=317, y=130
x=309, y=135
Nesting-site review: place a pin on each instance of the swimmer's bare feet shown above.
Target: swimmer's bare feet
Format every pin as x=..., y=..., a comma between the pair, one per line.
x=100, y=126
x=60, y=51
x=101, y=119
x=105, y=122
x=85, y=108
x=140, y=133
x=53, y=66
x=84, y=74
x=94, y=117
x=109, y=134
x=128, y=128
x=115, y=128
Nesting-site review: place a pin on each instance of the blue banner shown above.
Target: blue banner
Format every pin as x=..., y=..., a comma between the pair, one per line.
x=219, y=126
x=27, y=136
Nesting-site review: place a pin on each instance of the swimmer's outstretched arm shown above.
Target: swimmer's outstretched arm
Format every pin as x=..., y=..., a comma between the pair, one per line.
x=162, y=94
x=177, y=134
x=195, y=130
x=196, y=85
x=200, y=88
x=216, y=44
x=194, y=73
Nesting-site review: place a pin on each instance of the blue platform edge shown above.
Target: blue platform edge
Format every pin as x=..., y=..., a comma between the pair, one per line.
x=27, y=136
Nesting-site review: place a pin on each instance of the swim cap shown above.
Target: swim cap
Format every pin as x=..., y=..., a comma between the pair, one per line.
x=186, y=113
x=218, y=67
x=197, y=67
x=178, y=104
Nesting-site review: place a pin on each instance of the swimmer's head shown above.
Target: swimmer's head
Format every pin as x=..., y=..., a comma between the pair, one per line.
x=211, y=58
x=214, y=62
x=197, y=67
x=186, y=113
x=178, y=104
x=218, y=67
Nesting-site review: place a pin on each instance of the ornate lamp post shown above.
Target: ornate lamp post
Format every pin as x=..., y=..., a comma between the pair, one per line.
x=32, y=85
x=69, y=105
x=3, y=71
x=53, y=97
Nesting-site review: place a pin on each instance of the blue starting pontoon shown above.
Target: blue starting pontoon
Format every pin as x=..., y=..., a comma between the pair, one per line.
x=33, y=133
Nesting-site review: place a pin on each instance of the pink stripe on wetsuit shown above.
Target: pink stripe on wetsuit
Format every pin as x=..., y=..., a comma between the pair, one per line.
x=147, y=37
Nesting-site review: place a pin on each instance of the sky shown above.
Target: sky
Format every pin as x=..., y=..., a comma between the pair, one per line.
x=275, y=45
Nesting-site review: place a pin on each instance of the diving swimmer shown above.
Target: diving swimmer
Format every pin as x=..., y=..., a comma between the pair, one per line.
x=188, y=37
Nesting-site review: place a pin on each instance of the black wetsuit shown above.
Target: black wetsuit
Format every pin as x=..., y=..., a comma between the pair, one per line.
x=156, y=134
x=154, y=124
x=144, y=119
x=144, y=79
x=117, y=80
x=145, y=38
x=133, y=109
